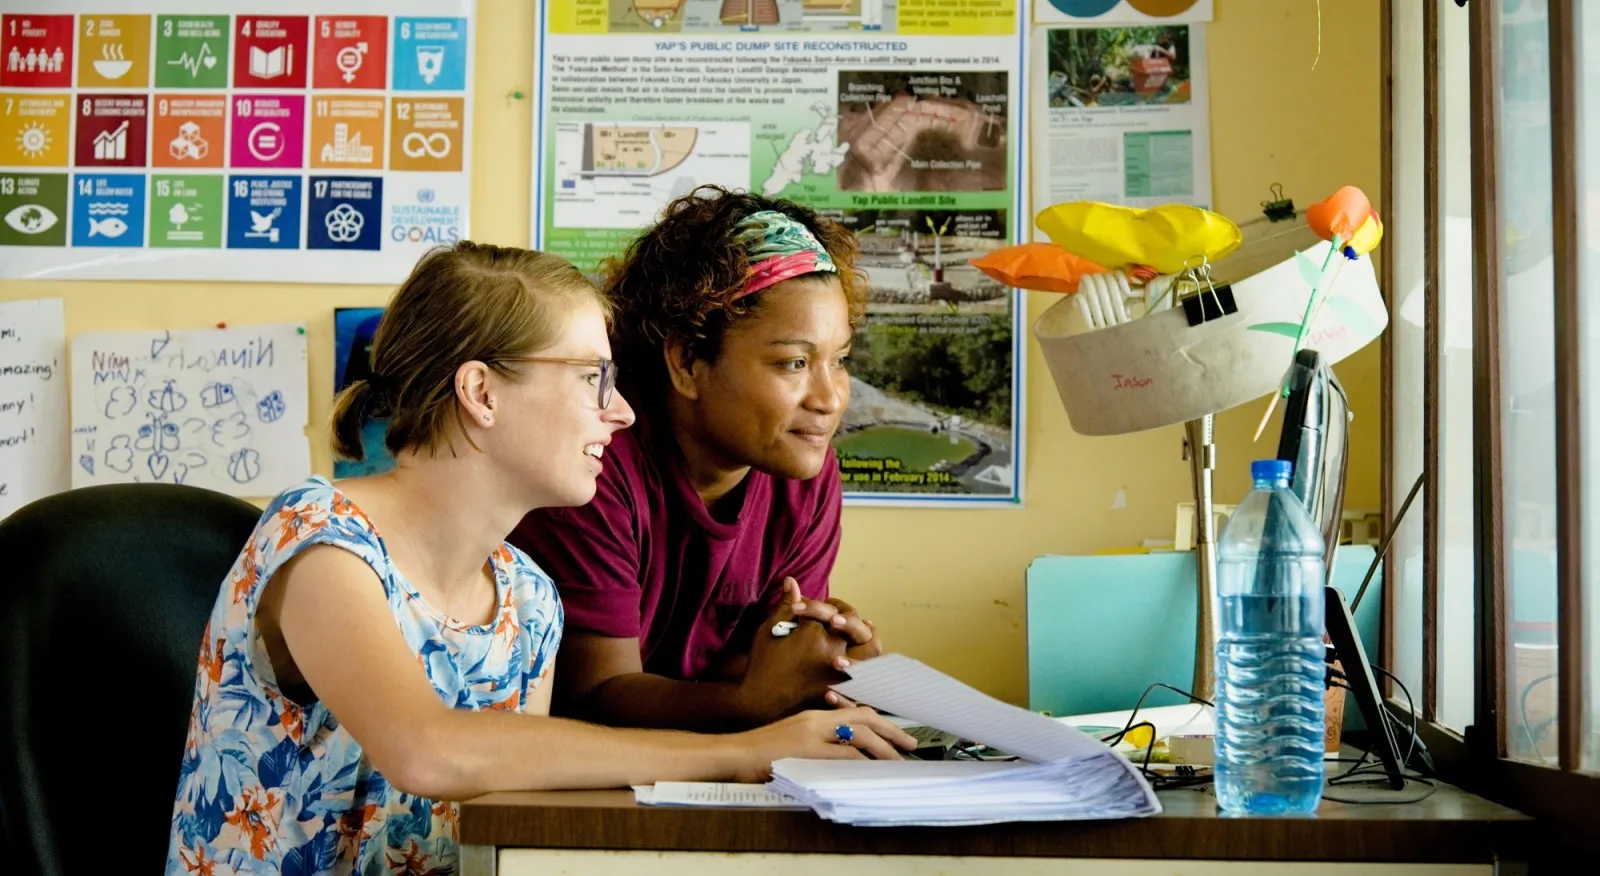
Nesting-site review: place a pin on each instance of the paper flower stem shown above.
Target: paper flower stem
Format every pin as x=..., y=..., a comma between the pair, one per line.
x=1313, y=308
x=1312, y=302
x=1328, y=294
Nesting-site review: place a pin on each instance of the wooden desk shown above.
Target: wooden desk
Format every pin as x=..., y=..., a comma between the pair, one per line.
x=605, y=832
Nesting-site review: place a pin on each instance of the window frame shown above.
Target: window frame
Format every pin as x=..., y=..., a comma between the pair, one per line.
x=1562, y=795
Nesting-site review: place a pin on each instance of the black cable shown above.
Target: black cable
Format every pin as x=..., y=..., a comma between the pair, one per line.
x=1362, y=775
x=1157, y=782
x=1418, y=798
x=1383, y=546
x=1411, y=707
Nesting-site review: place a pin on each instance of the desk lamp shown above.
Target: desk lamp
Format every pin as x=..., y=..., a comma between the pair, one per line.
x=1230, y=337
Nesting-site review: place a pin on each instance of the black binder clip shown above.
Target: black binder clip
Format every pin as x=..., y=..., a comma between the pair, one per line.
x=1279, y=208
x=1204, y=302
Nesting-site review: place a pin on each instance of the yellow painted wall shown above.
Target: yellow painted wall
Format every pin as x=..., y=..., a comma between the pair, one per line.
x=944, y=586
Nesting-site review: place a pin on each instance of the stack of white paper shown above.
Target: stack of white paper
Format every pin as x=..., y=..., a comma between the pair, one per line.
x=1063, y=775
x=879, y=793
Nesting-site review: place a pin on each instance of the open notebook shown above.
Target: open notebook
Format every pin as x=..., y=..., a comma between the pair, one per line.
x=1063, y=773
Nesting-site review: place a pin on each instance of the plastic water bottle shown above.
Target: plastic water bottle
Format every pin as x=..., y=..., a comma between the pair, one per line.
x=1270, y=655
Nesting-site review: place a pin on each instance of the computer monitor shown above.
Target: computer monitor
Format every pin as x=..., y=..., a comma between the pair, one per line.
x=1315, y=439
x=1363, y=685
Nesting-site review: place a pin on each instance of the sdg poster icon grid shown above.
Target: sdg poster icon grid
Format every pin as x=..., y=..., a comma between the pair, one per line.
x=291, y=141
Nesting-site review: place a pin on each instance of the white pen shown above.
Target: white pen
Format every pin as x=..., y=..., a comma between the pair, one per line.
x=783, y=628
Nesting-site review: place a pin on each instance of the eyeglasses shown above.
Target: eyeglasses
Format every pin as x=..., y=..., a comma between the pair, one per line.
x=608, y=373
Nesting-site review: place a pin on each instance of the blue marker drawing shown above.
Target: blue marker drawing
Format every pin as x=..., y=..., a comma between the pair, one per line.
x=244, y=465
x=216, y=394
x=233, y=428
x=168, y=399
x=121, y=401
x=87, y=461
x=119, y=456
x=271, y=407
x=158, y=463
x=159, y=345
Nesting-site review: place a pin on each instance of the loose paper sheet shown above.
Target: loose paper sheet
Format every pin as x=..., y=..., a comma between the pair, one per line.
x=224, y=409
x=901, y=685
x=33, y=402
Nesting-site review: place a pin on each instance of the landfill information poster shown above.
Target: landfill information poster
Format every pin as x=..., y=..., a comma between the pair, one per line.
x=899, y=118
x=186, y=140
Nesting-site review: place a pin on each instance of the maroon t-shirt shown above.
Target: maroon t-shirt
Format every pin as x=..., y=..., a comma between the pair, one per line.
x=646, y=559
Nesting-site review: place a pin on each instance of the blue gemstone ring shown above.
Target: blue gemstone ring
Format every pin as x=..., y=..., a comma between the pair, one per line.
x=844, y=733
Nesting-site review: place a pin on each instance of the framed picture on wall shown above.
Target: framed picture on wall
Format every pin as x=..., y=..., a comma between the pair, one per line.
x=353, y=330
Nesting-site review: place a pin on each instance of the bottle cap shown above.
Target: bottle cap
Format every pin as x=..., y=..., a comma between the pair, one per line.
x=1271, y=469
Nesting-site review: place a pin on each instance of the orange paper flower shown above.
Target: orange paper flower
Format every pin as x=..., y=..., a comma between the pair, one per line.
x=1341, y=213
x=1042, y=267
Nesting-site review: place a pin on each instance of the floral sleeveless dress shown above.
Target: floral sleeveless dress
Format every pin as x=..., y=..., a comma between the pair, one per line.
x=269, y=786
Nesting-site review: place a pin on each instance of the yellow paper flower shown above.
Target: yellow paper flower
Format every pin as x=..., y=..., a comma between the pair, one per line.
x=1167, y=238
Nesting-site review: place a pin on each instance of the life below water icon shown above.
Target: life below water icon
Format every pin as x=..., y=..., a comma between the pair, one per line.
x=105, y=219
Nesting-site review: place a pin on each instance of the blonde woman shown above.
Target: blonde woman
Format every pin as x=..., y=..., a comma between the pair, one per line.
x=379, y=650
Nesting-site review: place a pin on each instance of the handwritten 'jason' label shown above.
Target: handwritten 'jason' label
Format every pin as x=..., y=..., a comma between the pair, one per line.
x=1120, y=381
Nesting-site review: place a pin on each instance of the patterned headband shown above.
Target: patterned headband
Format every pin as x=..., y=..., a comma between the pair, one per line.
x=779, y=248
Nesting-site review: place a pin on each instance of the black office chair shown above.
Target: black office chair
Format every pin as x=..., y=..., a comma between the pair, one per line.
x=104, y=594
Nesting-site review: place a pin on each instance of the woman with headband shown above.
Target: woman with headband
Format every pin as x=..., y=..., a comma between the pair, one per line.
x=696, y=581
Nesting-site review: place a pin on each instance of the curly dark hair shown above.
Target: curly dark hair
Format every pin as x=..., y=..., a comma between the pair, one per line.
x=678, y=280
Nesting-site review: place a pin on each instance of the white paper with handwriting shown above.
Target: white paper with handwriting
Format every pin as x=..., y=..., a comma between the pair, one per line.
x=33, y=402
x=225, y=409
